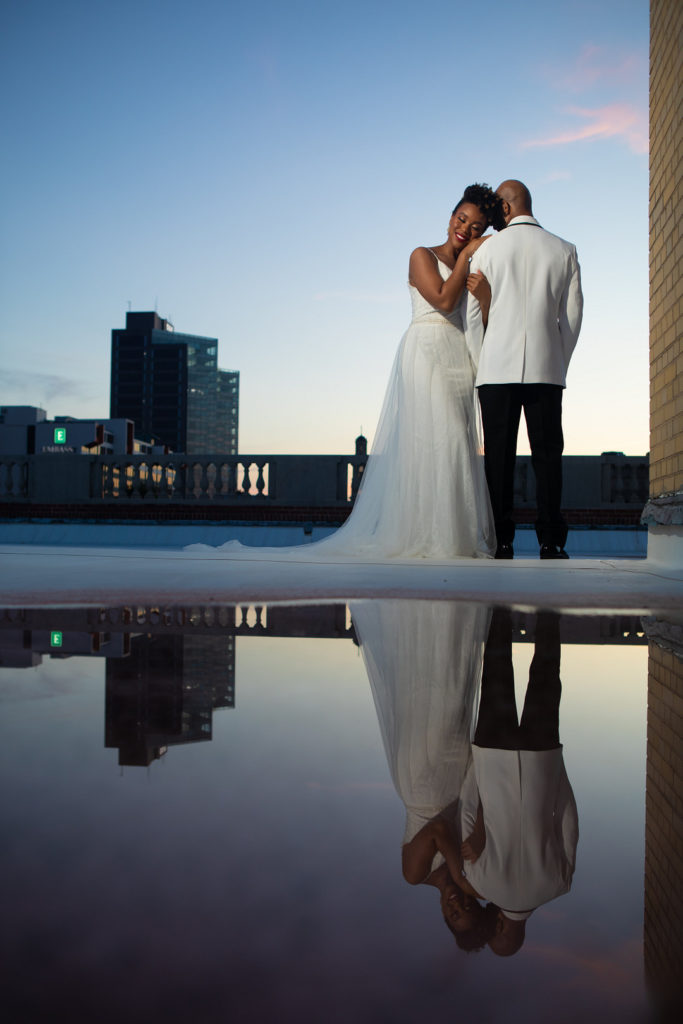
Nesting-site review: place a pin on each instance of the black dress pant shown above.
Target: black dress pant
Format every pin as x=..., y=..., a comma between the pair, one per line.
x=497, y=723
x=501, y=408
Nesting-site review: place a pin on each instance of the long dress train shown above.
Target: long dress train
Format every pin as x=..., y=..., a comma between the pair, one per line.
x=423, y=493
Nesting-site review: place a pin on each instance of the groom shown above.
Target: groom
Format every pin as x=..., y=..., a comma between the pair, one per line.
x=523, y=344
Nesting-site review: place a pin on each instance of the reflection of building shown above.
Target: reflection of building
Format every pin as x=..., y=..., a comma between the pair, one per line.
x=663, y=932
x=16, y=650
x=170, y=385
x=24, y=648
x=164, y=693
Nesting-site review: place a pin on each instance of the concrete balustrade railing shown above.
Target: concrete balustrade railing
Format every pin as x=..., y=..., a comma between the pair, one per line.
x=316, y=480
x=609, y=481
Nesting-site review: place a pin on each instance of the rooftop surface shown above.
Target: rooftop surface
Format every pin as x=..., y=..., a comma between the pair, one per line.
x=39, y=575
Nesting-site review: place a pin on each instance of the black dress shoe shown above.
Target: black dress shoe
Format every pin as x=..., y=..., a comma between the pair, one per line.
x=504, y=551
x=552, y=551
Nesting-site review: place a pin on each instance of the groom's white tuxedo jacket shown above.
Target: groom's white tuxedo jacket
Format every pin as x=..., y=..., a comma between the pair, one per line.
x=536, y=306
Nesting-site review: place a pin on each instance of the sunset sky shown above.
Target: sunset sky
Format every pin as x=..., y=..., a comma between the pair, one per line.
x=261, y=172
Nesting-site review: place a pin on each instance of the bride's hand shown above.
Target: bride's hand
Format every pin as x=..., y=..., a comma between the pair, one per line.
x=472, y=246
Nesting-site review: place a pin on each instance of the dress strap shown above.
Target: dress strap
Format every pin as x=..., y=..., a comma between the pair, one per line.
x=438, y=258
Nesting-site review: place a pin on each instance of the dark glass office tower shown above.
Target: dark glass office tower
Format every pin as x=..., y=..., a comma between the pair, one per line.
x=170, y=385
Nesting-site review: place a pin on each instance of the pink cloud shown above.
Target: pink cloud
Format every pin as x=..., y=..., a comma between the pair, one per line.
x=618, y=120
x=595, y=64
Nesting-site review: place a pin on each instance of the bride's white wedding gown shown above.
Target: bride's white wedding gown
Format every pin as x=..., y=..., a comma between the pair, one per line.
x=423, y=493
x=423, y=660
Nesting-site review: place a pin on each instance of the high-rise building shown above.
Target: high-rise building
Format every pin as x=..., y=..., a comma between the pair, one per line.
x=164, y=691
x=170, y=385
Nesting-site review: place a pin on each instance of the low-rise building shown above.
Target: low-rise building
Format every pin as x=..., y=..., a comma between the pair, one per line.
x=26, y=430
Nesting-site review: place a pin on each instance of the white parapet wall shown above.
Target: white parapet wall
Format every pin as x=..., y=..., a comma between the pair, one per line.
x=665, y=545
x=664, y=519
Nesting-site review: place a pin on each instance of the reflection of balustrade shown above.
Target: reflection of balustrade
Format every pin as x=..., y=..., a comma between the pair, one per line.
x=321, y=620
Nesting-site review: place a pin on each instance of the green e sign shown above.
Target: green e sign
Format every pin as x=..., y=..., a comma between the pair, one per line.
x=60, y=435
x=55, y=638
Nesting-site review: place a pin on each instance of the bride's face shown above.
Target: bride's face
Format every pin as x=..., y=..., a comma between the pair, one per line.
x=466, y=223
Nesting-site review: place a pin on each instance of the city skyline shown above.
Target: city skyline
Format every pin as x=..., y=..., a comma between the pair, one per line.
x=261, y=177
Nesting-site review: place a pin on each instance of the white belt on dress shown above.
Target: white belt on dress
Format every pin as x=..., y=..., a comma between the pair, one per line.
x=435, y=318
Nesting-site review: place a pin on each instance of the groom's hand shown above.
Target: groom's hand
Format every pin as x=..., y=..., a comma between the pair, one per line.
x=478, y=285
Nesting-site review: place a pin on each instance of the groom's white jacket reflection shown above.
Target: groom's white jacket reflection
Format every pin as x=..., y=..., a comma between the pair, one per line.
x=518, y=812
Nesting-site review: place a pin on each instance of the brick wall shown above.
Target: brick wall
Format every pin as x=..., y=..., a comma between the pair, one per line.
x=663, y=934
x=666, y=248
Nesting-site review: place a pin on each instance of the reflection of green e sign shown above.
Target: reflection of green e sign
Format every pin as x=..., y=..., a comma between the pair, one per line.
x=60, y=435
x=55, y=638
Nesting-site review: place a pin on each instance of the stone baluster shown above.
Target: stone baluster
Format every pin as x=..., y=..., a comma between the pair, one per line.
x=105, y=489
x=204, y=482
x=168, y=479
x=5, y=479
x=144, y=482
x=128, y=478
x=231, y=485
x=193, y=479
x=19, y=479
x=212, y=475
x=179, y=487
x=626, y=482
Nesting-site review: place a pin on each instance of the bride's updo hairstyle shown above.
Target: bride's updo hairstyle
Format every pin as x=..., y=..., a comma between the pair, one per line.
x=490, y=204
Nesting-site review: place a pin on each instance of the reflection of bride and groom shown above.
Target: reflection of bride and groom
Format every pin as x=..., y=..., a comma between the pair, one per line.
x=492, y=818
x=507, y=324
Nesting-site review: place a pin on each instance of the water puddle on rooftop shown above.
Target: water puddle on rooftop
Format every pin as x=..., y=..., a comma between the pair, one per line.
x=378, y=811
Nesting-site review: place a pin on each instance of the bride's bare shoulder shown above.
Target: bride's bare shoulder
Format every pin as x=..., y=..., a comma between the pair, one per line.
x=423, y=252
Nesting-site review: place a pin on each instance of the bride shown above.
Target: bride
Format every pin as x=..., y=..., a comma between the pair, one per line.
x=423, y=493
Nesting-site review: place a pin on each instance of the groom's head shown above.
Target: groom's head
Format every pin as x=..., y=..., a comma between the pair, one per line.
x=516, y=199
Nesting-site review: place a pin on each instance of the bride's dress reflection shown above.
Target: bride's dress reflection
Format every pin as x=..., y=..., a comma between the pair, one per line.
x=494, y=819
x=424, y=661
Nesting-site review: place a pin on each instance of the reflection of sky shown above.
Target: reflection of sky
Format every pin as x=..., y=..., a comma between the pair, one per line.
x=264, y=866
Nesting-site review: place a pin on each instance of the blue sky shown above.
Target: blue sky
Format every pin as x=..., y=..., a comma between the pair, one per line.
x=261, y=172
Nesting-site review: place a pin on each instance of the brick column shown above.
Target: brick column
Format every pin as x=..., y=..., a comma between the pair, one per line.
x=664, y=511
